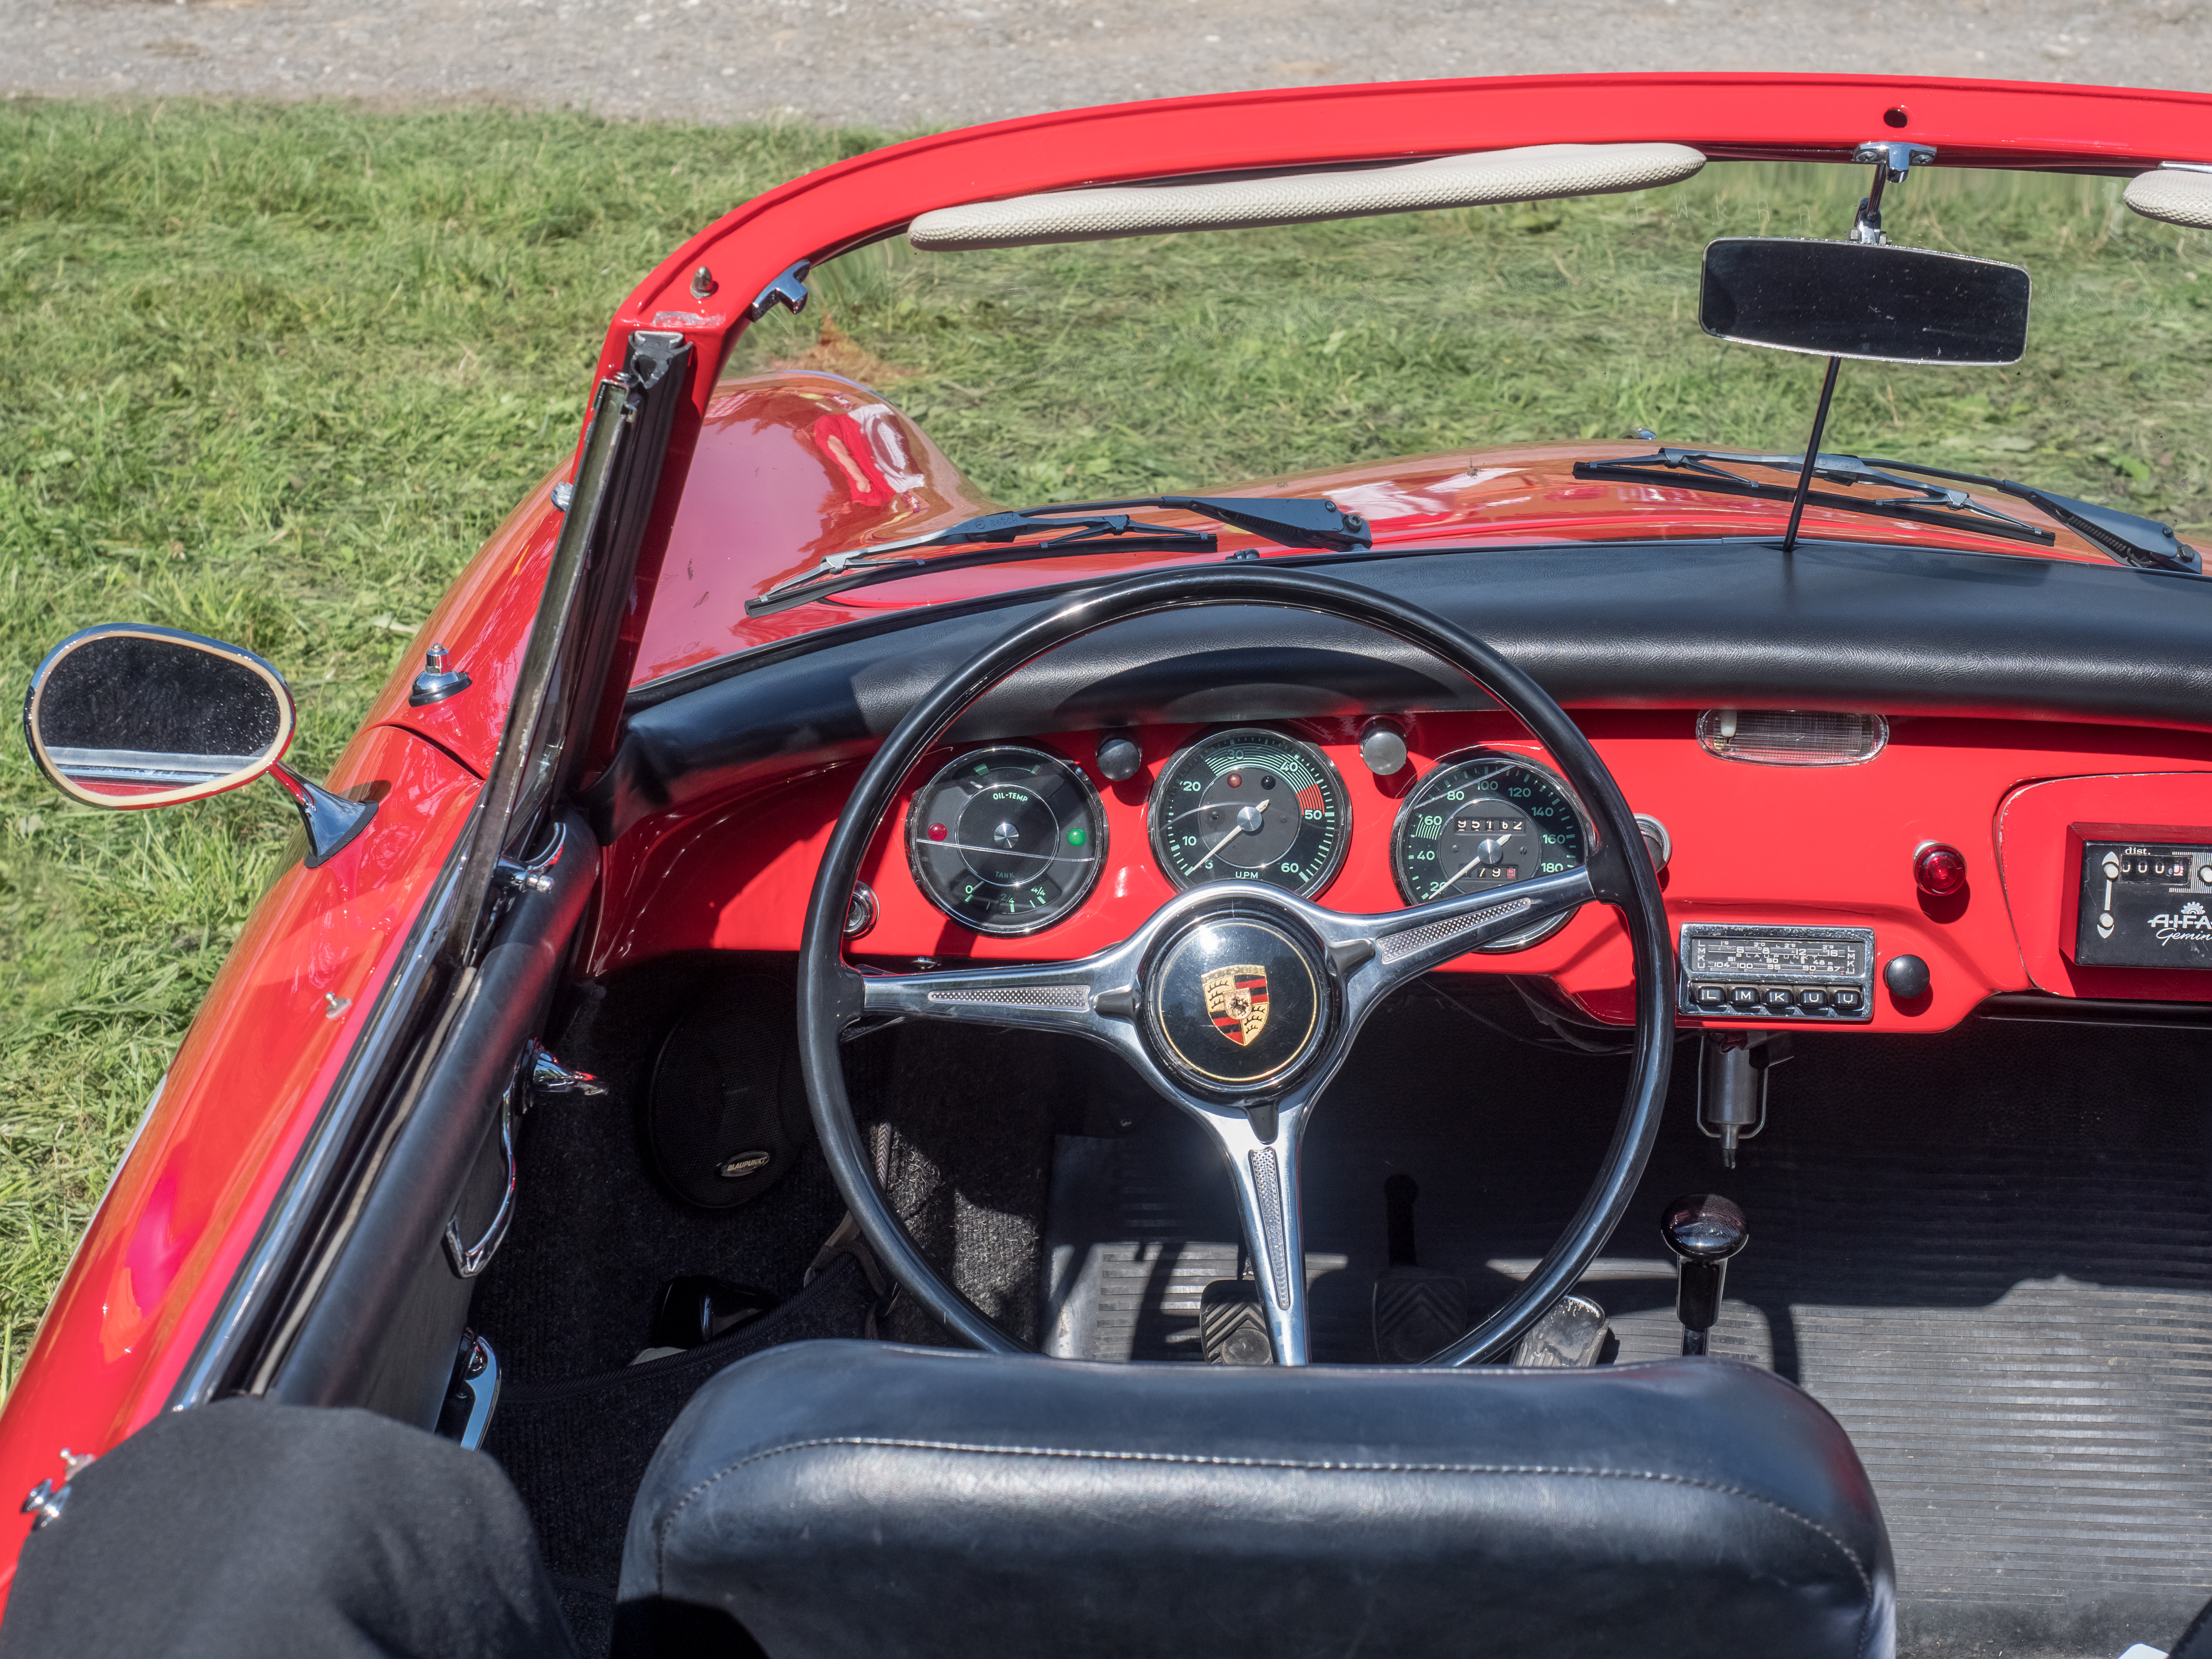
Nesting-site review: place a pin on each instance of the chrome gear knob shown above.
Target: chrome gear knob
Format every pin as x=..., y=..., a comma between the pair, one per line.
x=1703, y=1231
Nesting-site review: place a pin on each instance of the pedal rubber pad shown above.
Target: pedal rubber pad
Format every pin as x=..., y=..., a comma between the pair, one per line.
x=1231, y=1328
x=1418, y=1311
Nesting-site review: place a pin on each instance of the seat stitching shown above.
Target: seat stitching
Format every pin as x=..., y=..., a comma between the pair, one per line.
x=1866, y=1581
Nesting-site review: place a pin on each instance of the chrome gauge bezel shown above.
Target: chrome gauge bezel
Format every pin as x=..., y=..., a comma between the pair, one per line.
x=1331, y=779
x=1077, y=896
x=1444, y=763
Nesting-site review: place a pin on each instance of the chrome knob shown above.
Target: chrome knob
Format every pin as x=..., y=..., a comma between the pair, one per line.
x=1703, y=1231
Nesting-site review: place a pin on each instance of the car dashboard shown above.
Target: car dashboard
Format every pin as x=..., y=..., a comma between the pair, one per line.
x=1796, y=851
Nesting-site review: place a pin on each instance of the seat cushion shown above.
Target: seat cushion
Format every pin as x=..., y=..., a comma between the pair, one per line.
x=851, y=1499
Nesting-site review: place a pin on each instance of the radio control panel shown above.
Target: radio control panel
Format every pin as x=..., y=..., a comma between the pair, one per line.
x=1776, y=974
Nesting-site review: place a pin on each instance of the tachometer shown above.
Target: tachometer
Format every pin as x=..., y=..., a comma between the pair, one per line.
x=1006, y=840
x=1482, y=820
x=1250, y=804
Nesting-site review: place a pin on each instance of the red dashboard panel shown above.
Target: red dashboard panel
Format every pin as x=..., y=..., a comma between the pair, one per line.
x=2042, y=866
x=1806, y=845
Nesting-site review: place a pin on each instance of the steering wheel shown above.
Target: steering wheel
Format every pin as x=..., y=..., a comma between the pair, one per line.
x=1326, y=971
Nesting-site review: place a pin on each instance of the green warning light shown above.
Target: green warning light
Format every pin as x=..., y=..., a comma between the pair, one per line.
x=1076, y=838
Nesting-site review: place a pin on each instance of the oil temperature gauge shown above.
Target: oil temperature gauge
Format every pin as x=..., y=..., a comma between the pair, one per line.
x=1006, y=840
x=1482, y=820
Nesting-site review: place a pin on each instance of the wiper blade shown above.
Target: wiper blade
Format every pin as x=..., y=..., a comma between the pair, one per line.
x=1952, y=508
x=1075, y=528
x=2127, y=537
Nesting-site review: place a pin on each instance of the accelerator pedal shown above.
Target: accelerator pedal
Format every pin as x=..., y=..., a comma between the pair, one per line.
x=1417, y=1309
x=1570, y=1336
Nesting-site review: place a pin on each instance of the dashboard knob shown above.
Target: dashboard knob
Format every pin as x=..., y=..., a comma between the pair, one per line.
x=1383, y=746
x=1119, y=757
x=1906, y=977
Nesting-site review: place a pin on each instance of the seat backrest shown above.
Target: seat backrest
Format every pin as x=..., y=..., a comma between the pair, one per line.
x=851, y=1498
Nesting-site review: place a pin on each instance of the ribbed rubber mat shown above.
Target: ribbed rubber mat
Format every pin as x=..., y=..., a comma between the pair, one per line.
x=1989, y=1254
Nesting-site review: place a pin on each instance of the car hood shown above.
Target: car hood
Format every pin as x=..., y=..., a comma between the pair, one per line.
x=795, y=465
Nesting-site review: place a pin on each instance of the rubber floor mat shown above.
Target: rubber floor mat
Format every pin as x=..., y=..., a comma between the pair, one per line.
x=1988, y=1253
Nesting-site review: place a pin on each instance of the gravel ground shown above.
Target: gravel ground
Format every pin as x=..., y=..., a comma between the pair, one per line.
x=900, y=63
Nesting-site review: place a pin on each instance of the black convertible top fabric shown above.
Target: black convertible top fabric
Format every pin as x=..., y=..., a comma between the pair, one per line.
x=1889, y=629
x=248, y=1530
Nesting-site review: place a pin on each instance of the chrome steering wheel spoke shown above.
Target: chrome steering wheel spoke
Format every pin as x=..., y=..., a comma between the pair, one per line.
x=1374, y=955
x=1237, y=1004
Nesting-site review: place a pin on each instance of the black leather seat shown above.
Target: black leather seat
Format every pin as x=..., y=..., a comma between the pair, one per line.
x=853, y=1499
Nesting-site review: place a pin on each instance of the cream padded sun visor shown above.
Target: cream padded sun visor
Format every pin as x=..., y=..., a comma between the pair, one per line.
x=2180, y=195
x=1533, y=174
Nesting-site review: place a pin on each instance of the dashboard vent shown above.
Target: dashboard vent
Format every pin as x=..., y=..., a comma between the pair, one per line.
x=1792, y=737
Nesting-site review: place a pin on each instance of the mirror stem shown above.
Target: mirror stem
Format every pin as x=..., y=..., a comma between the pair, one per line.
x=331, y=821
x=1811, y=456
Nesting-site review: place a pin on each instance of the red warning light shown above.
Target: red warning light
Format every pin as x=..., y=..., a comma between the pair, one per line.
x=1939, y=870
x=937, y=832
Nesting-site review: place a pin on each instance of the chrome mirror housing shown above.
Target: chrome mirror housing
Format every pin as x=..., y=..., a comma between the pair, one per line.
x=127, y=715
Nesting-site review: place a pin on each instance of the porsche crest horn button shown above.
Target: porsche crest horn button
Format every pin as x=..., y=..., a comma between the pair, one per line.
x=1237, y=999
x=1234, y=1003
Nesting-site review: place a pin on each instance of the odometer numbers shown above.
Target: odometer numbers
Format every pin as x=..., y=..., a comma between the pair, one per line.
x=1250, y=804
x=1006, y=840
x=1484, y=820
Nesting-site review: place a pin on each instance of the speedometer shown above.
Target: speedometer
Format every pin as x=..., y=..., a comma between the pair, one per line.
x=1006, y=840
x=1250, y=804
x=1482, y=820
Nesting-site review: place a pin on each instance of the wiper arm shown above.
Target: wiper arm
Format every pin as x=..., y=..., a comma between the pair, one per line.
x=1926, y=505
x=1075, y=527
x=2127, y=537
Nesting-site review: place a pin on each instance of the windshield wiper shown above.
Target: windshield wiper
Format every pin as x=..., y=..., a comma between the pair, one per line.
x=2127, y=536
x=1075, y=528
x=1926, y=505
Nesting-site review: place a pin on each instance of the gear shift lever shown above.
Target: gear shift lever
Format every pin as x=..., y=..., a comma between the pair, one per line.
x=1703, y=1229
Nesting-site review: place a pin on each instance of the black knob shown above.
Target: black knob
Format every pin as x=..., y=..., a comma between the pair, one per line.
x=1703, y=1229
x=1906, y=977
x=1119, y=757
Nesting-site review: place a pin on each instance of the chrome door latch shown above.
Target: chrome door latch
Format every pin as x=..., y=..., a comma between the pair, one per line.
x=536, y=1072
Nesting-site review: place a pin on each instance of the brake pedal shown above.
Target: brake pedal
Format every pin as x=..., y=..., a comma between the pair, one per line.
x=1231, y=1328
x=1417, y=1309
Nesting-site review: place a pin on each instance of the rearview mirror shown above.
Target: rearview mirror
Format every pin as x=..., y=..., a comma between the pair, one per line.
x=1869, y=300
x=129, y=715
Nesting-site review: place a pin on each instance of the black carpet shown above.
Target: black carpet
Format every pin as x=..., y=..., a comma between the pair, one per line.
x=1989, y=1253
x=964, y=1121
x=577, y=1449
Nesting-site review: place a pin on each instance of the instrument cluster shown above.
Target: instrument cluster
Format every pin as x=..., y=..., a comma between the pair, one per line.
x=1008, y=840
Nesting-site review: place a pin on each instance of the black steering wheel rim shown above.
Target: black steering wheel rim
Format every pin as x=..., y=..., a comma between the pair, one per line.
x=1621, y=875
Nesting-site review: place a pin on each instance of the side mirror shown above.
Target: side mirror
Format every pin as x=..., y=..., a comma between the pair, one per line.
x=1868, y=299
x=125, y=715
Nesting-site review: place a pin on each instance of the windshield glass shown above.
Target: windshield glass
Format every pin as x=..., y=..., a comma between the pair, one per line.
x=1471, y=377
x=1175, y=363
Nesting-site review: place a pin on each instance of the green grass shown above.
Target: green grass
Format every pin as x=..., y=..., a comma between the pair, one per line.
x=273, y=373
